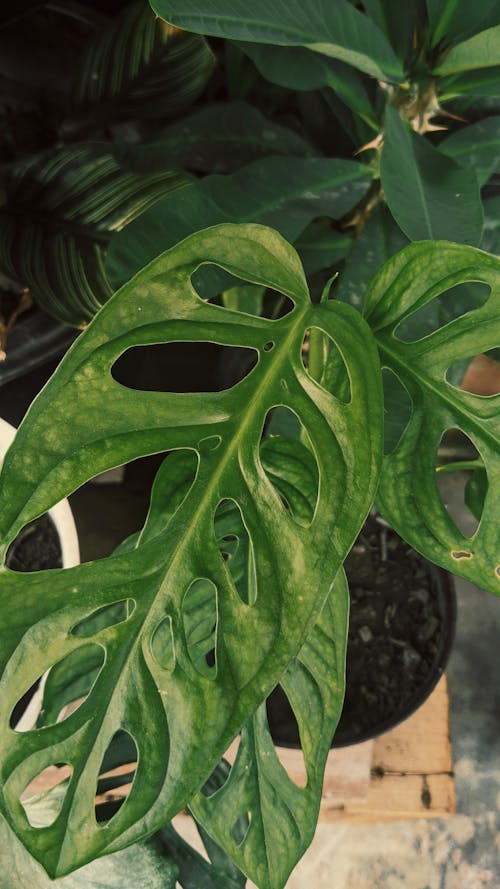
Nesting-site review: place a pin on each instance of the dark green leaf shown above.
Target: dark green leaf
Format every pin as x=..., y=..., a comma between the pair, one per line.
x=339, y=31
x=180, y=720
x=286, y=193
x=195, y=872
x=138, y=67
x=483, y=82
x=399, y=25
x=476, y=146
x=320, y=247
x=377, y=242
x=217, y=138
x=408, y=495
x=298, y=68
x=429, y=195
x=452, y=19
x=480, y=51
x=61, y=210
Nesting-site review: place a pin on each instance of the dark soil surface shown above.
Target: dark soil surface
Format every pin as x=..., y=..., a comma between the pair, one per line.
x=401, y=624
x=37, y=547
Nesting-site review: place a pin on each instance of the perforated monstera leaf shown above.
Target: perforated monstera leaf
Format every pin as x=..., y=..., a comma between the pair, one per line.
x=180, y=719
x=261, y=817
x=408, y=494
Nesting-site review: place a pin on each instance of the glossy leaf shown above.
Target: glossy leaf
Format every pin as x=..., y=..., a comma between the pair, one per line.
x=480, y=51
x=286, y=193
x=298, y=68
x=340, y=31
x=163, y=708
x=137, y=67
x=480, y=83
x=282, y=814
x=217, y=138
x=452, y=19
x=408, y=495
x=430, y=196
x=476, y=146
x=61, y=210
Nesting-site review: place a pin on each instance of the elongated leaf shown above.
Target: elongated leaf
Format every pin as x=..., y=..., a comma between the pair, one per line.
x=195, y=872
x=430, y=196
x=480, y=51
x=298, y=68
x=320, y=247
x=61, y=209
x=338, y=31
x=476, y=146
x=282, y=814
x=480, y=83
x=380, y=239
x=408, y=495
x=138, y=67
x=286, y=193
x=399, y=28
x=181, y=720
x=217, y=138
x=451, y=19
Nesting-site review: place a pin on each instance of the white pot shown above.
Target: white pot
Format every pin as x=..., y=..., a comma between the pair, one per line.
x=60, y=514
x=65, y=526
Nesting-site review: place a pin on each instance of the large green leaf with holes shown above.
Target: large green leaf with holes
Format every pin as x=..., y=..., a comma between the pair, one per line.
x=336, y=30
x=408, y=494
x=181, y=719
x=280, y=814
x=60, y=210
x=138, y=67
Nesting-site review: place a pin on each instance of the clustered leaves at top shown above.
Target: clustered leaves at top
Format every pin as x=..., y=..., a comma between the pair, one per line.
x=163, y=654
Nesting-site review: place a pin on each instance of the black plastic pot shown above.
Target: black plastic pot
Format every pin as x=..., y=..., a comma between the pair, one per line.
x=375, y=703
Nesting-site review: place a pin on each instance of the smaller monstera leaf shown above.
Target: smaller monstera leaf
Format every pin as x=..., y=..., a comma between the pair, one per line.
x=139, y=67
x=60, y=212
x=150, y=686
x=408, y=494
x=277, y=816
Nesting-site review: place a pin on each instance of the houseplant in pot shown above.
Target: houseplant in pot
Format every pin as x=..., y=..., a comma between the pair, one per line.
x=179, y=695
x=287, y=621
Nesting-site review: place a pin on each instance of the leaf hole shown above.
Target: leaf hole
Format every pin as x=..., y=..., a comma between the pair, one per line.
x=442, y=309
x=269, y=346
x=43, y=798
x=240, y=828
x=290, y=464
x=104, y=618
x=462, y=481
x=183, y=367
x=200, y=616
x=398, y=409
x=220, y=775
x=276, y=305
x=285, y=733
x=236, y=547
x=323, y=362
x=116, y=776
x=479, y=375
x=162, y=645
x=67, y=685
